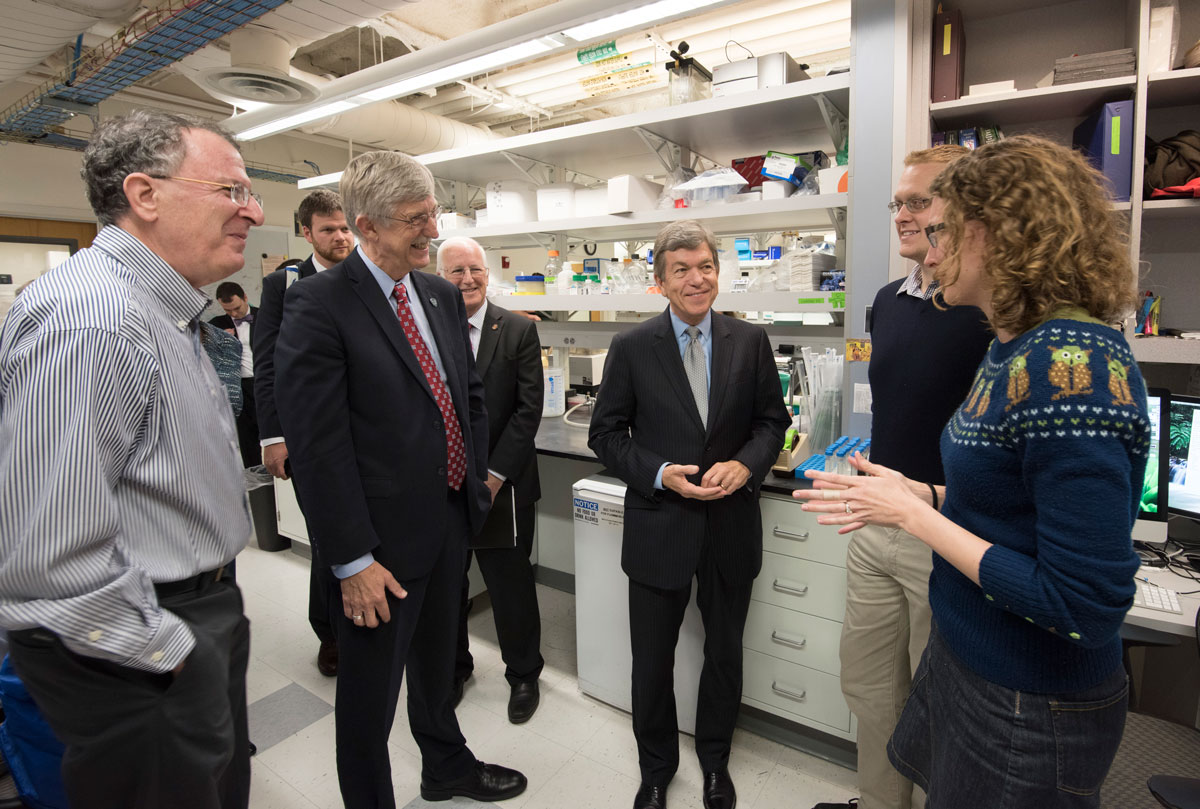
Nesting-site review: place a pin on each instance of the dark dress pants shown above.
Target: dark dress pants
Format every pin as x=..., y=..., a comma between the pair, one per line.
x=247, y=426
x=511, y=586
x=139, y=740
x=417, y=641
x=655, y=616
x=324, y=593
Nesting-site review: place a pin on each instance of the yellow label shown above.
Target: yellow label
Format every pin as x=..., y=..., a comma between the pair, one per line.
x=1115, y=146
x=946, y=39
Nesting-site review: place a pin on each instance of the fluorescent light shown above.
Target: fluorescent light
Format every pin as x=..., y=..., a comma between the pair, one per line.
x=460, y=70
x=292, y=121
x=320, y=181
x=634, y=17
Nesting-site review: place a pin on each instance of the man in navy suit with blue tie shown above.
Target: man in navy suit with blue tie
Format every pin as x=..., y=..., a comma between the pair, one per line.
x=383, y=411
x=690, y=416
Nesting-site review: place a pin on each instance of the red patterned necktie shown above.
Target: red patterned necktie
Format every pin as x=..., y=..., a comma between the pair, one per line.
x=456, y=451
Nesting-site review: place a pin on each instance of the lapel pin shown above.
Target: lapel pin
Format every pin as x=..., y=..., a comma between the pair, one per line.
x=494, y=327
x=434, y=302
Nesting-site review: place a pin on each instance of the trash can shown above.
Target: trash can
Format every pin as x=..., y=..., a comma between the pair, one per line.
x=262, y=511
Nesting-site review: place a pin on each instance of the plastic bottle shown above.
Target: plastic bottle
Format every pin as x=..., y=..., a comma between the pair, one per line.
x=606, y=286
x=591, y=284
x=577, y=284
x=554, y=266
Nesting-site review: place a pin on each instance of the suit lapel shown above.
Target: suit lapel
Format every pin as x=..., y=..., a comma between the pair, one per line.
x=489, y=338
x=372, y=297
x=666, y=348
x=722, y=354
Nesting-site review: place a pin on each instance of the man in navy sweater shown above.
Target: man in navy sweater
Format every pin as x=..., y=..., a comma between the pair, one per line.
x=922, y=362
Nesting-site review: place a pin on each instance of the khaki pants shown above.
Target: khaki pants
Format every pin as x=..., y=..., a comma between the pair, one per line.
x=884, y=634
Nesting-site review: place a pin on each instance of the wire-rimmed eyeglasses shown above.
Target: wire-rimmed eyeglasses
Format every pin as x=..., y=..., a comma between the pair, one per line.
x=914, y=204
x=240, y=194
x=420, y=220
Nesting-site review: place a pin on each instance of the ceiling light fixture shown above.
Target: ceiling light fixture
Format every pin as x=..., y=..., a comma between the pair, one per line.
x=634, y=17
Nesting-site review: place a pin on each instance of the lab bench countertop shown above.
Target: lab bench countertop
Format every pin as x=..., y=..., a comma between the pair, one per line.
x=561, y=440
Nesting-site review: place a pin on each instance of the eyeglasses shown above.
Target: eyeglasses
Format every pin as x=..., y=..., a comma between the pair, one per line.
x=457, y=273
x=931, y=232
x=420, y=220
x=240, y=194
x=915, y=204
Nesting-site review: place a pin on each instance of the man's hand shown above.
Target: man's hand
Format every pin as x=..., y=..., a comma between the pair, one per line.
x=273, y=457
x=231, y=331
x=728, y=475
x=674, y=477
x=494, y=483
x=364, y=595
x=527, y=315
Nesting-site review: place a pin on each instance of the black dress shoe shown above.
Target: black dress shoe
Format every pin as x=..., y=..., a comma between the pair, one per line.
x=718, y=791
x=327, y=658
x=522, y=702
x=649, y=797
x=486, y=782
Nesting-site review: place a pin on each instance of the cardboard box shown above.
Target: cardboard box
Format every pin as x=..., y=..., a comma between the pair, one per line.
x=834, y=180
x=454, y=221
x=591, y=201
x=556, y=201
x=628, y=193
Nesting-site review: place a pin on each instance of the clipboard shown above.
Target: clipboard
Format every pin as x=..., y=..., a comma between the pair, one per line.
x=500, y=527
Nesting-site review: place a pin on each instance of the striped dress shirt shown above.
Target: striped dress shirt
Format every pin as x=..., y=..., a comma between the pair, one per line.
x=119, y=464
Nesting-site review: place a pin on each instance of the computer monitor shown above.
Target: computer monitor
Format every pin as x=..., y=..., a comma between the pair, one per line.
x=1183, y=495
x=1151, y=524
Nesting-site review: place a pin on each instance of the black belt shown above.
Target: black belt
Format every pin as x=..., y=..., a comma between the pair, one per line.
x=166, y=589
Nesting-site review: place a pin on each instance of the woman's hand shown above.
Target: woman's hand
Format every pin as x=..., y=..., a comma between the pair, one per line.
x=882, y=497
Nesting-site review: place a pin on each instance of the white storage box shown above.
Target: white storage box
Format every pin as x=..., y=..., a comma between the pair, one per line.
x=833, y=180
x=454, y=221
x=556, y=201
x=777, y=189
x=628, y=193
x=510, y=201
x=591, y=201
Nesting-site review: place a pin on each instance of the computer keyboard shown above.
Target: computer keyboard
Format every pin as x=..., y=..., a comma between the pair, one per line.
x=1152, y=597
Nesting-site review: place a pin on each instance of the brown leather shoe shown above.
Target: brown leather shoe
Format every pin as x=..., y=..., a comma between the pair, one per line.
x=327, y=658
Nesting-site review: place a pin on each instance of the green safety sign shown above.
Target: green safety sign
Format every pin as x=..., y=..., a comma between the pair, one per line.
x=837, y=300
x=597, y=52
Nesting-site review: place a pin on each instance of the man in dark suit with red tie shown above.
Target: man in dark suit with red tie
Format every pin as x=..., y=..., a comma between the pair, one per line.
x=508, y=356
x=690, y=416
x=383, y=412
x=324, y=226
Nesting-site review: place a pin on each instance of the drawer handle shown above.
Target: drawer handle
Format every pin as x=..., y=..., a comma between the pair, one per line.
x=799, y=696
x=789, y=587
x=799, y=536
x=787, y=640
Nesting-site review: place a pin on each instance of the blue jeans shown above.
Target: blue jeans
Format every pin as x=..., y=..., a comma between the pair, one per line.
x=969, y=742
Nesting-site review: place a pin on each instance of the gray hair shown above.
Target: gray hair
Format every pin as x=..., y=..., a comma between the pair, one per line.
x=147, y=141
x=686, y=234
x=376, y=182
x=457, y=241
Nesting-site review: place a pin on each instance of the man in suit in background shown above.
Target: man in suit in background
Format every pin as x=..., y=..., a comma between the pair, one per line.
x=383, y=413
x=508, y=357
x=690, y=416
x=238, y=320
x=324, y=226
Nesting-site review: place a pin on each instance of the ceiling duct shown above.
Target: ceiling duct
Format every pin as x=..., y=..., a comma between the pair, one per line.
x=33, y=31
x=258, y=71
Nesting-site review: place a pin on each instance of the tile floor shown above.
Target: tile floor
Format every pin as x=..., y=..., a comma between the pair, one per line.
x=577, y=752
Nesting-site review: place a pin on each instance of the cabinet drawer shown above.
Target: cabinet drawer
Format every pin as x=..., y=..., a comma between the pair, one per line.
x=802, y=692
x=792, y=532
x=799, y=584
x=794, y=636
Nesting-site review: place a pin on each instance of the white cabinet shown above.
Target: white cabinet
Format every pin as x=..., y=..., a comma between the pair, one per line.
x=794, y=627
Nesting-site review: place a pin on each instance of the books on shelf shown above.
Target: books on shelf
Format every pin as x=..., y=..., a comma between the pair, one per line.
x=972, y=136
x=1093, y=66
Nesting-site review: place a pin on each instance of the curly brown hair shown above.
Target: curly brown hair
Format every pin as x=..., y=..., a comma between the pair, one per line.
x=1053, y=238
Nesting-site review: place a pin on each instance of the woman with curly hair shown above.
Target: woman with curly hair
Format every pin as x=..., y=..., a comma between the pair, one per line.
x=1020, y=697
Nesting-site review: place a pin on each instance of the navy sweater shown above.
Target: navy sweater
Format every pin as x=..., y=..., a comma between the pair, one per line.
x=1045, y=459
x=922, y=362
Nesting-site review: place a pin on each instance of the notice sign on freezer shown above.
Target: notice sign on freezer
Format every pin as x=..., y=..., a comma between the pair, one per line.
x=594, y=512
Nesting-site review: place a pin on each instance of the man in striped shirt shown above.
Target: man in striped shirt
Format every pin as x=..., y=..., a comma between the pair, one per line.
x=121, y=493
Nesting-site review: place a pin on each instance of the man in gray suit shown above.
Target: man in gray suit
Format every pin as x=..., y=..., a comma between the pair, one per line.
x=690, y=416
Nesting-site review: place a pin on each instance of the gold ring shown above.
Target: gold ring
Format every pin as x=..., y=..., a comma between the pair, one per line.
x=848, y=509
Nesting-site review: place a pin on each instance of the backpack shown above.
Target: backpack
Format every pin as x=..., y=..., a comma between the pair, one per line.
x=1172, y=163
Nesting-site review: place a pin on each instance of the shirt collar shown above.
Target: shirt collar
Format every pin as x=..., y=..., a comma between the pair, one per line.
x=385, y=281
x=912, y=285
x=680, y=327
x=476, y=319
x=158, y=279
x=318, y=265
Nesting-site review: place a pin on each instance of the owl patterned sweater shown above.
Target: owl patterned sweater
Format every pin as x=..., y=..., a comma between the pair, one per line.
x=1045, y=460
